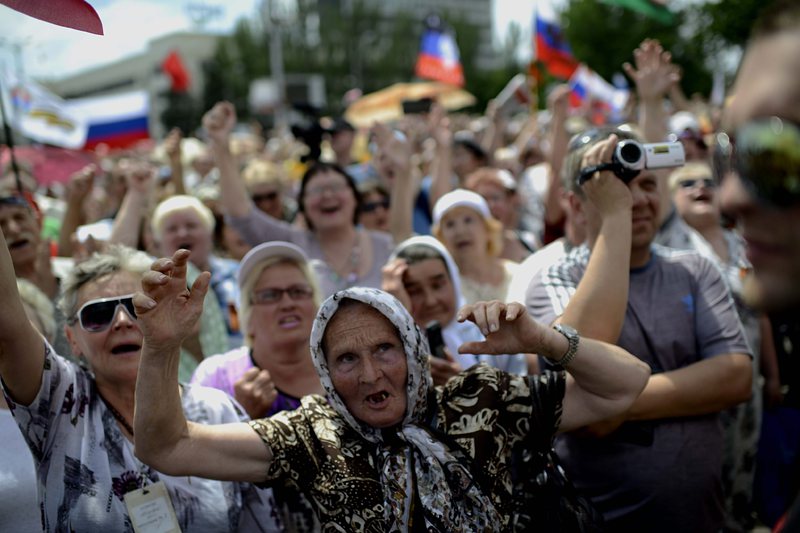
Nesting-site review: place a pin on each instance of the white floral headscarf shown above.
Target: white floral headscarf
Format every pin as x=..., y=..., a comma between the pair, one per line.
x=450, y=498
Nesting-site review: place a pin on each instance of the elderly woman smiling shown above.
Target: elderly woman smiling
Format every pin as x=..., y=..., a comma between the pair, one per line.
x=385, y=451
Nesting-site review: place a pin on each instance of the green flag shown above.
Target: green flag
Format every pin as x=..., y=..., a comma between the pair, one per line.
x=648, y=8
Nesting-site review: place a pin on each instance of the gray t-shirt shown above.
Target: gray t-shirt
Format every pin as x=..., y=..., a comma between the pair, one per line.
x=661, y=475
x=257, y=227
x=84, y=465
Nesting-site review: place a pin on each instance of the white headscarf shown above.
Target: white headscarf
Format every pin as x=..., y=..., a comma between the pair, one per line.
x=456, y=333
x=450, y=498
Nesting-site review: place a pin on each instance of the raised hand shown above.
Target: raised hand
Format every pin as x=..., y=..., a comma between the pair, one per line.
x=256, y=392
x=608, y=193
x=172, y=144
x=218, y=122
x=80, y=184
x=167, y=311
x=507, y=327
x=394, y=153
x=654, y=73
x=439, y=126
x=558, y=101
x=392, y=281
x=139, y=176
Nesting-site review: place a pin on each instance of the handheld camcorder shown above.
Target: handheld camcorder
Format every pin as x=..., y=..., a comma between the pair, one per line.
x=631, y=157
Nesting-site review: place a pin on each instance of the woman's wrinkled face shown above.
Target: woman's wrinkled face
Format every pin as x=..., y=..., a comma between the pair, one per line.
x=328, y=200
x=696, y=200
x=464, y=233
x=431, y=291
x=185, y=229
x=286, y=321
x=113, y=353
x=367, y=365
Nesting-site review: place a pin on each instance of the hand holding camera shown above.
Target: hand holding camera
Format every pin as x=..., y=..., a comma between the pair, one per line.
x=631, y=157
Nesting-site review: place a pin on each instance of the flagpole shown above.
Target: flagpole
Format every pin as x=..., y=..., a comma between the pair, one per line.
x=10, y=141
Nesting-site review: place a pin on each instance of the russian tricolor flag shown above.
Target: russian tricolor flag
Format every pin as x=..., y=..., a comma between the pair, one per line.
x=588, y=86
x=118, y=120
x=551, y=47
x=439, y=58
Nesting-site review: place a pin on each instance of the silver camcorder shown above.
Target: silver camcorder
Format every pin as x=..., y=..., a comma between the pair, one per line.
x=631, y=157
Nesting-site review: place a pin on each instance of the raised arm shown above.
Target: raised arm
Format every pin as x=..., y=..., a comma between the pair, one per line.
x=442, y=166
x=558, y=103
x=79, y=186
x=172, y=146
x=218, y=123
x=603, y=380
x=167, y=312
x=21, y=346
x=140, y=177
x=603, y=290
x=654, y=76
x=395, y=166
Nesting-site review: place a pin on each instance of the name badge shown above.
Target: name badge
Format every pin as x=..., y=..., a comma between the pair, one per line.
x=150, y=510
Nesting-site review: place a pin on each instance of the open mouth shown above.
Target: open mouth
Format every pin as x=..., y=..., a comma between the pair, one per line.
x=18, y=244
x=377, y=398
x=289, y=322
x=329, y=210
x=126, y=349
x=185, y=246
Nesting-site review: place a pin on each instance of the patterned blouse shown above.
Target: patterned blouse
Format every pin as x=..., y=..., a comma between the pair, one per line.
x=84, y=465
x=483, y=415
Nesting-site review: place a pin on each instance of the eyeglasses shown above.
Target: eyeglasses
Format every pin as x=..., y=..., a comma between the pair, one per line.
x=267, y=196
x=765, y=154
x=369, y=207
x=97, y=315
x=706, y=183
x=273, y=295
x=319, y=190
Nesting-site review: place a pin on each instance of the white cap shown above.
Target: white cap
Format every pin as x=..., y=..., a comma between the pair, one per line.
x=266, y=250
x=460, y=198
x=683, y=121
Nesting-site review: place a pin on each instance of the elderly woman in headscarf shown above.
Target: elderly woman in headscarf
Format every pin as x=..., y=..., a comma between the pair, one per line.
x=421, y=274
x=384, y=451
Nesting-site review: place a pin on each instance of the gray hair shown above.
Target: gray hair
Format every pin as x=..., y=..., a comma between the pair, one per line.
x=115, y=258
x=581, y=143
x=246, y=306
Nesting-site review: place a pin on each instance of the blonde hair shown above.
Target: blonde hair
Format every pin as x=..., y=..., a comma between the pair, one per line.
x=246, y=287
x=259, y=171
x=493, y=227
x=39, y=305
x=692, y=170
x=176, y=203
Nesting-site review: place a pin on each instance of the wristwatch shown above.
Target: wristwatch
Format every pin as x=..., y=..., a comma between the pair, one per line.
x=572, y=336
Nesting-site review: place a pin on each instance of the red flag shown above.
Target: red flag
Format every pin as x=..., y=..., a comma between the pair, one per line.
x=75, y=14
x=551, y=47
x=173, y=67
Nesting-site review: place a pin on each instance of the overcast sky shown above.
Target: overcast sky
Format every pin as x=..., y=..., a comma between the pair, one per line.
x=50, y=52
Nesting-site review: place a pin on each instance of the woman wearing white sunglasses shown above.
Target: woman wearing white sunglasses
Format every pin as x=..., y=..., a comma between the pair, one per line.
x=77, y=420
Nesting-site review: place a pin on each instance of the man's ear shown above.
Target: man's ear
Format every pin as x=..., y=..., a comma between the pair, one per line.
x=574, y=204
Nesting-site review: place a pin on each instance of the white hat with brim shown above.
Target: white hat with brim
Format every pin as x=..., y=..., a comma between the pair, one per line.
x=265, y=251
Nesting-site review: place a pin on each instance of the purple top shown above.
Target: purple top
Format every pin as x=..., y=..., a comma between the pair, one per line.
x=224, y=370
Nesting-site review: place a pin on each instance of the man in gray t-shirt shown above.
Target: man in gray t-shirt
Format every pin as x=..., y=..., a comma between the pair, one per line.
x=656, y=468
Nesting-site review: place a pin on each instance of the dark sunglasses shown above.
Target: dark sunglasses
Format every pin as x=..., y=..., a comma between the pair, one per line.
x=267, y=196
x=765, y=154
x=706, y=183
x=369, y=207
x=272, y=295
x=97, y=315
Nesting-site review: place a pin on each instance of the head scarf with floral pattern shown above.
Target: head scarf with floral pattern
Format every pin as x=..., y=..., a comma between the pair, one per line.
x=450, y=498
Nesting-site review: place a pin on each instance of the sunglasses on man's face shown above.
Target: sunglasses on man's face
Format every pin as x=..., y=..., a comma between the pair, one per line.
x=97, y=315
x=765, y=154
x=369, y=207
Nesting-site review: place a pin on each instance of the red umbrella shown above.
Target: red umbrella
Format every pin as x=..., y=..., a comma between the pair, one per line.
x=75, y=14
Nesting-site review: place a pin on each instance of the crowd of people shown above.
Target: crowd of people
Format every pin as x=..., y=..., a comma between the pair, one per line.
x=391, y=339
